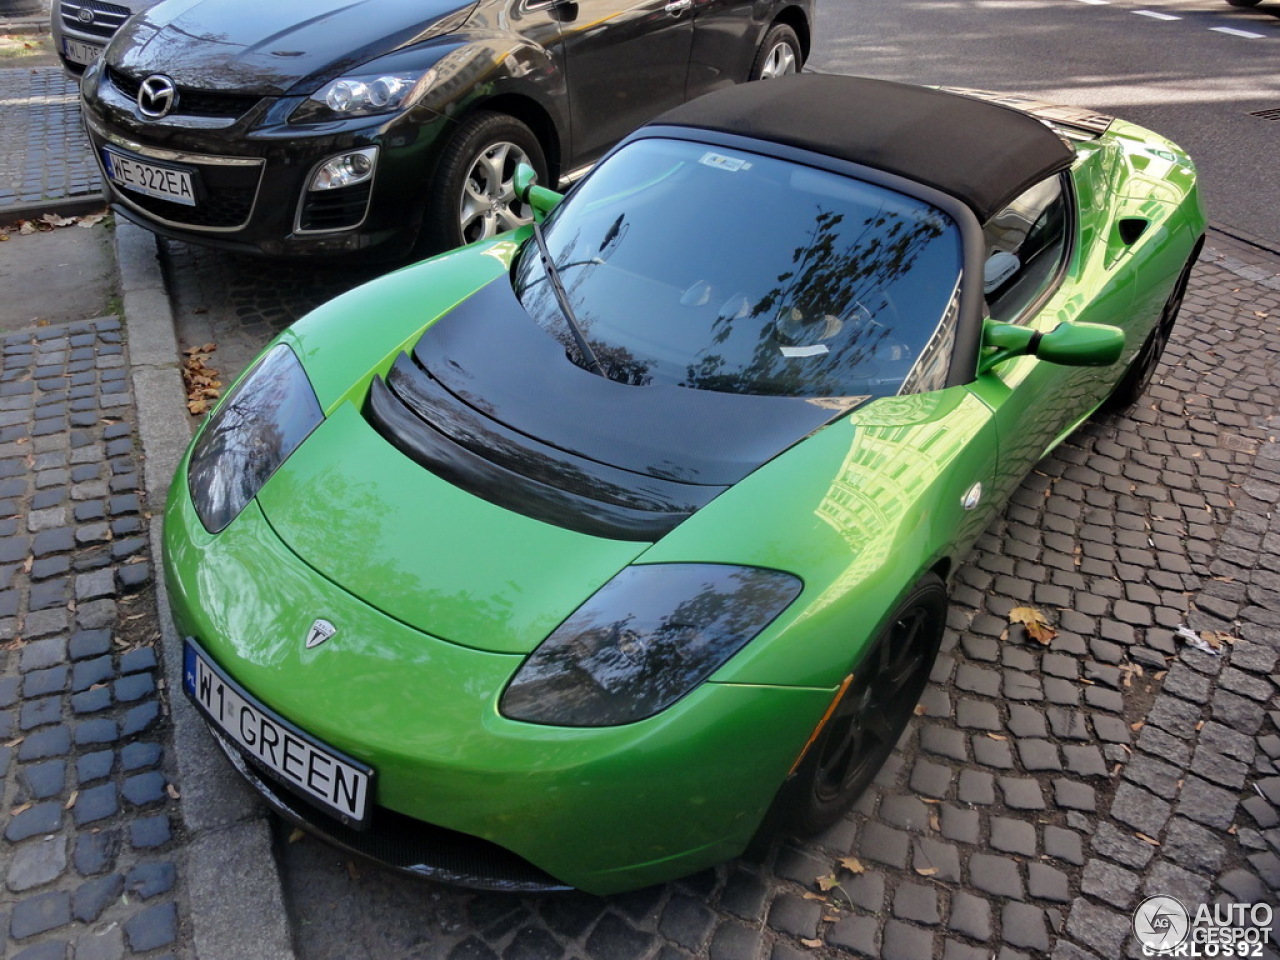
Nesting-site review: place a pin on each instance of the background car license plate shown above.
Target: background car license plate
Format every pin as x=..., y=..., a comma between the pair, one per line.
x=167, y=183
x=331, y=781
x=77, y=51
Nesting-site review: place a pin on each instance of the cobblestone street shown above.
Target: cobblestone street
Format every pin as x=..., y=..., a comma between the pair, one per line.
x=46, y=156
x=90, y=843
x=1044, y=791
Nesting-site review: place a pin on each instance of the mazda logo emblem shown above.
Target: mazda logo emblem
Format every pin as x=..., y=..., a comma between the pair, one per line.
x=85, y=15
x=157, y=97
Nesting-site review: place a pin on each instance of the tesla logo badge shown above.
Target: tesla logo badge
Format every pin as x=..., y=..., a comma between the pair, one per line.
x=85, y=15
x=320, y=631
x=972, y=497
x=157, y=97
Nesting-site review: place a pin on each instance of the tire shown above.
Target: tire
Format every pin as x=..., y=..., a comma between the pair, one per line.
x=1244, y=3
x=779, y=54
x=1142, y=368
x=871, y=714
x=471, y=196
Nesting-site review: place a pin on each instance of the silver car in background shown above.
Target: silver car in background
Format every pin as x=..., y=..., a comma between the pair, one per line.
x=82, y=28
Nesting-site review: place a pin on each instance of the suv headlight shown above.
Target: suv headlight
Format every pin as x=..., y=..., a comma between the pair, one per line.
x=261, y=422
x=643, y=641
x=363, y=95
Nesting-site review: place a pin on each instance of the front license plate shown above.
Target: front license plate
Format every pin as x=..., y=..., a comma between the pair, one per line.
x=335, y=783
x=77, y=51
x=166, y=183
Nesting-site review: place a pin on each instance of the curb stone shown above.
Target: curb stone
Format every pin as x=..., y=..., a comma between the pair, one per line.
x=227, y=826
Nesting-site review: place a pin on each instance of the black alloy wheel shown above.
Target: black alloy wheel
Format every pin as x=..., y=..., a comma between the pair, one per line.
x=1142, y=369
x=472, y=196
x=872, y=713
x=779, y=54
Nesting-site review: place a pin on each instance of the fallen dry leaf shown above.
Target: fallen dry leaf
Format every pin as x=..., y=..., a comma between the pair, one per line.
x=296, y=835
x=71, y=800
x=812, y=944
x=827, y=883
x=852, y=864
x=170, y=789
x=1145, y=839
x=53, y=220
x=997, y=736
x=926, y=871
x=1035, y=623
x=807, y=895
x=18, y=809
x=920, y=710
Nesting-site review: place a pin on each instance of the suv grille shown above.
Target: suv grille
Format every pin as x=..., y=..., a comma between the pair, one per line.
x=105, y=21
x=191, y=103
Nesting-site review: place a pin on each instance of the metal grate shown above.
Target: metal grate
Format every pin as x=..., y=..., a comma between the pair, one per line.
x=1272, y=114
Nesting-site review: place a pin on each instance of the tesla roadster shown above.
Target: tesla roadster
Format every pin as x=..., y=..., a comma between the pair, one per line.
x=579, y=556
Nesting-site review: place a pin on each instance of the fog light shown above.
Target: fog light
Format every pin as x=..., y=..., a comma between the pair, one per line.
x=345, y=170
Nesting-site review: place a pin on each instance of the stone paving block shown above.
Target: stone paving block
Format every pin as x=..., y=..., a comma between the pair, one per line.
x=789, y=914
x=991, y=753
x=39, y=913
x=1100, y=928
x=995, y=875
x=1140, y=809
x=905, y=942
x=1013, y=836
x=36, y=863
x=917, y=902
x=1109, y=883
x=1024, y=925
x=942, y=858
x=1206, y=803
x=1122, y=846
x=857, y=934
x=1063, y=844
x=884, y=845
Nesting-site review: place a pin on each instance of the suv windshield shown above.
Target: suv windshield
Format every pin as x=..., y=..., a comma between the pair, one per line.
x=715, y=269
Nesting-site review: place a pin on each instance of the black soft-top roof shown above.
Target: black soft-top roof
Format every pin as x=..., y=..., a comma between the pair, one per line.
x=981, y=153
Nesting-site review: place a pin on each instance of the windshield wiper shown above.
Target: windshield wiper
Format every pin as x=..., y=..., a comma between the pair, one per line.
x=562, y=298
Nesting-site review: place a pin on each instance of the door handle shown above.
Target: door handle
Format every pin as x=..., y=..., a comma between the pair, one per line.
x=676, y=7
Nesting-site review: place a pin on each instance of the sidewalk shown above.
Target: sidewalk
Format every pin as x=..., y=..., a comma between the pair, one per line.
x=108, y=852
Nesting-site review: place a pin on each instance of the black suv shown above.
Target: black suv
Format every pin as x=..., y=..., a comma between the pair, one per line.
x=294, y=128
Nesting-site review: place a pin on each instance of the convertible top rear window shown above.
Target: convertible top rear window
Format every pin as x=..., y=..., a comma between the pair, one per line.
x=715, y=269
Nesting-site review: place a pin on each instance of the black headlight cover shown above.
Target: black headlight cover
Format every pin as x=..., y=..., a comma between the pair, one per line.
x=644, y=640
x=264, y=419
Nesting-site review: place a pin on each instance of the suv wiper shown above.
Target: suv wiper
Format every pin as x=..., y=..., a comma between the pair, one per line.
x=562, y=298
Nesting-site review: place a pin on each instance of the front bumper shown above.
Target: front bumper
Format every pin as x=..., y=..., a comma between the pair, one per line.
x=602, y=810
x=250, y=169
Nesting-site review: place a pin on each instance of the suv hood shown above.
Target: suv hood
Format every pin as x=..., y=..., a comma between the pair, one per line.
x=247, y=46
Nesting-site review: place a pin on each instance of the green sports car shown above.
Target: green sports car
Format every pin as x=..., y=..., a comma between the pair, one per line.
x=581, y=556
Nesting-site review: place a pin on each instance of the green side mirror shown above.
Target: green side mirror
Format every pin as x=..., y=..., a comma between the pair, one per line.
x=542, y=200
x=1070, y=344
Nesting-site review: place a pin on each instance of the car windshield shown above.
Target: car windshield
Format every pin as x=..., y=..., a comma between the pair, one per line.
x=716, y=269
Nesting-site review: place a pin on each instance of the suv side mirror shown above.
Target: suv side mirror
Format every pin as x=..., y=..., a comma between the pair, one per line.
x=1070, y=344
x=542, y=200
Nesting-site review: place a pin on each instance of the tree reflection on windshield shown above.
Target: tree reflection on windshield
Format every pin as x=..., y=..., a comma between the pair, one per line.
x=825, y=300
x=747, y=274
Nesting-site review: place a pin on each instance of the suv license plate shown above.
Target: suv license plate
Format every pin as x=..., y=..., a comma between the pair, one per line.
x=166, y=183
